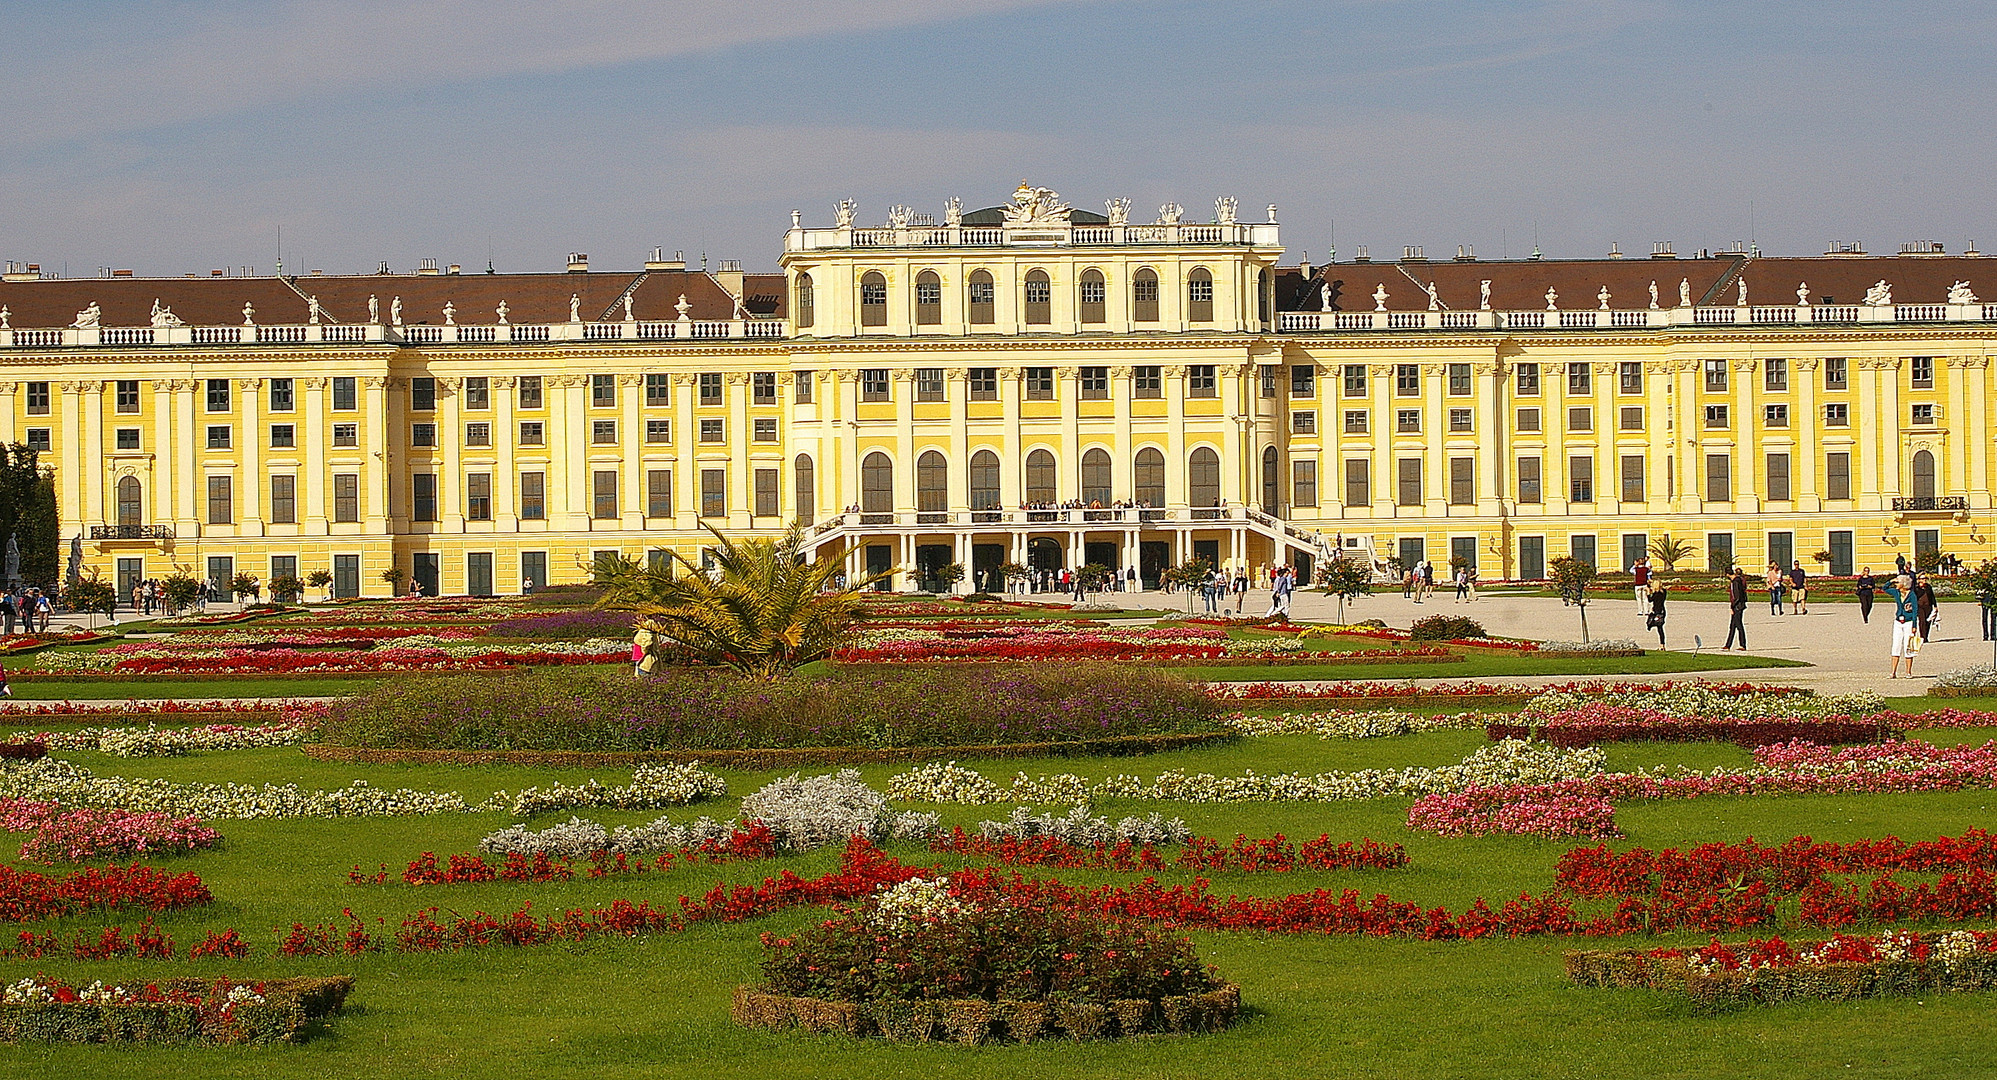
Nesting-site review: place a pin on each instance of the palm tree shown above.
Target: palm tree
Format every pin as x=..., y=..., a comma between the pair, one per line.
x=1670, y=551
x=761, y=609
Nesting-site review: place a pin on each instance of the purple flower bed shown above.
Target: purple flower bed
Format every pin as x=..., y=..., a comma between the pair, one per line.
x=559, y=625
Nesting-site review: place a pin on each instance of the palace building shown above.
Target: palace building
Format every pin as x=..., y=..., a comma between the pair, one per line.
x=1029, y=383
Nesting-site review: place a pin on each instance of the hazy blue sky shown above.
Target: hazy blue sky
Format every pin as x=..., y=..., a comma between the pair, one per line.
x=172, y=137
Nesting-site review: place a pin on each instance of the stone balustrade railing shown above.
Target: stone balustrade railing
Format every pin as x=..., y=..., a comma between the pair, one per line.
x=380, y=334
x=1307, y=322
x=1036, y=235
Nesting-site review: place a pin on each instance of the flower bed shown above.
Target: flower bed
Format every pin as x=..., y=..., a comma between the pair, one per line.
x=152, y=741
x=190, y=711
x=1595, y=723
x=1794, y=866
x=1272, y=855
x=288, y=660
x=780, y=758
x=27, y=896
x=1525, y=810
x=1372, y=724
x=173, y=1011
x=1467, y=693
x=1069, y=642
x=79, y=835
x=1764, y=971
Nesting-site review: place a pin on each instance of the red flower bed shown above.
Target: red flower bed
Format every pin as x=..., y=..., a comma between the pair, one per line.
x=1276, y=691
x=148, y=942
x=756, y=842
x=1275, y=854
x=1791, y=867
x=26, y=896
x=1605, y=723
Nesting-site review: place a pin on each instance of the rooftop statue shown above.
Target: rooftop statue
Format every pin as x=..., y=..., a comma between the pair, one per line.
x=1484, y=295
x=1741, y=300
x=1324, y=297
x=1684, y=292
x=1552, y=299
x=1170, y=213
x=628, y=317
x=164, y=316
x=953, y=212
x=395, y=311
x=249, y=314
x=898, y=217
x=575, y=307
x=842, y=214
x=1960, y=293
x=90, y=316
x=1118, y=211
x=682, y=307
x=1434, y=301
x=312, y=310
x=1603, y=296
x=1880, y=294
x=1223, y=210
x=1380, y=297
x=450, y=314
x=374, y=309
x=1036, y=206
x=1803, y=295
x=4, y=316
x=501, y=312
x=1653, y=295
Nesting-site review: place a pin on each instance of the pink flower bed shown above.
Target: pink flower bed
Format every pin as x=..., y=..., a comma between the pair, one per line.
x=1276, y=691
x=79, y=835
x=1517, y=810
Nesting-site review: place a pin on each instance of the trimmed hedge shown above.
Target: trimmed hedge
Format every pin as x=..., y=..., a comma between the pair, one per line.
x=976, y=1021
x=290, y=1007
x=1834, y=981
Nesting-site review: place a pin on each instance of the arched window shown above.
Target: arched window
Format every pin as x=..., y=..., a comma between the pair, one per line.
x=1269, y=480
x=131, y=510
x=1265, y=303
x=806, y=313
x=807, y=490
x=928, y=299
x=1144, y=296
x=1039, y=298
x=1203, y=478
x=1044, y=553
x=1199, y=295
x=1924, y=475
x=932, y=486
x=984, y=480
x=873, y=299
x=877, y=484
x=1150, y=477
x=1094, y=297
x=981, y=296
x=1040, y=479
x=1095, y=477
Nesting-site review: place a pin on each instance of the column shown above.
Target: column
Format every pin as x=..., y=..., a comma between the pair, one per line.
x=1232, y=454
x=1691, y=455
x=1748, y=454
x=254, y=482
x=380, y=455
x=1660, y=485
x=93, y=452
x=312, y=479
x=741, y=493
x=631, y=444
x=505, y=468
x=1492, y=426
x=450, y=444
x=9, y=403
x=956, y=397
x=1808, y=461
x=568, y=452
x=1012, y=471
x=1386, y=479
x=1068, y=393
x=1974, y=425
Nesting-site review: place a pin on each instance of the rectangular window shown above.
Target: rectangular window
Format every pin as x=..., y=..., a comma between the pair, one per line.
x=346, y=435
x=1581, y=418
x=1200, y=381
x=1463, y=481
x=1629, y=377
x=478, y=496
x=221, y=500
x=1266, y=380
x=1355, y=421
x=533, y=433
x=1921, y=372
x=282, y=397
x=1716, y=416
x=284, y=500
x=984, y=383
x=1631, y=418
x=219, y=436
x=801, y=386
x=1409, y=478
x=873, y=384
x=1354, y=378
x=422, y=394
x=423, y=497
x=1303, y=380
x=346, y=393
x=1528, y=420
x=1303, y=483
x=603, y=391
x=1837, y=476
x=38, y=399
x=1632, y=467
x=283, y=436
x=1581, y=479
x=533, y=496
x=603, y=433
x=1459, y=420
x=530, y=391
x=1303, y=422
x=1095, y=384
x=1778, y=477
x=478, y=434
x=422, y=434
x=1358, y=482
x=1578, y=379
x=283, y=566
x=1775, y=415
x=1040, y=384
x=1459, y=379
x=128, y=393
x=713, y=493
x=710, y=387
x=1923, y=414
x=658, y=390
x=1532, y=558
x=765, y=429
x=218, y=395
x=1407, y=380
x=712, y=431
x=1775, y=375
x=1529, y=480
x=603, y=494
x=1407, y=421
x=1719, y=478
x=1582, y=548
x=766, y=493
x=929, y=384
x=659, y=493
x=763, y=388
x=1716, y=376
x=478, y=393
x=1782, y=549
x=128, y=438
x=1527, y=378
x=1837, y=373
x=1837, y=414
x=346, y=496
x=1147, y=381
x=38, y=439
x=658, y=431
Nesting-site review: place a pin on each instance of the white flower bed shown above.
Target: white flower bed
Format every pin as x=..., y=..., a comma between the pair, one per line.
x=651, y=786
x=915, y=902
x=1083, y=830
x=1599, y=646
x=1359, y=724
x=1968, y=678
x=150, y=741
x=1695, y=700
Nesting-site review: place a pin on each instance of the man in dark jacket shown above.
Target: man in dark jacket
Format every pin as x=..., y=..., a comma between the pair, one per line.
x=1737, y=601
x=1799, y=597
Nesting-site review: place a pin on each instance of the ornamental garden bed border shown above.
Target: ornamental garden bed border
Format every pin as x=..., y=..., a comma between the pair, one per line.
x=1583, y=654
x=291, y=1007
x=1962, y=691
x=34, y=676
x=1834, y=981
x=976, y=1021
x=777, y=758
x=1310, y=660
x=162, y=720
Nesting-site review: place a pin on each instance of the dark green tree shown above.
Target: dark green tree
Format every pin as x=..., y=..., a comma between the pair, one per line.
x=28, y=513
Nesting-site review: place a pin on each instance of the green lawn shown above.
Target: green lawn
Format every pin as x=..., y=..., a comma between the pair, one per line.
x=1483, y=664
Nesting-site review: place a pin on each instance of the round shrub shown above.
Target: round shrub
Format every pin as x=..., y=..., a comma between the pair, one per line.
x=1445, y=628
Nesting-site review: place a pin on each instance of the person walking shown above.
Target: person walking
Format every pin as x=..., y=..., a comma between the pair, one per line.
x=1799, y=592
x=1737, y=603
x=1774, y=580
x=1640, y=571
x=642, y=659
x=1471, y=581
x=1655, y=620
x=1906, y=624
x=1986, y=605
x=1463, y=584
x=1240, y=590
x=1927, y=607
x=1864, y=589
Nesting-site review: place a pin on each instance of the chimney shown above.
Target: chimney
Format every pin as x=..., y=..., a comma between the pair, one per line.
x=658, y=262
x=729, y=277
x=578, y=262
x=427, y=268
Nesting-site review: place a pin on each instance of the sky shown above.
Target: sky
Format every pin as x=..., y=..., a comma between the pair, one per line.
x=173, y=137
